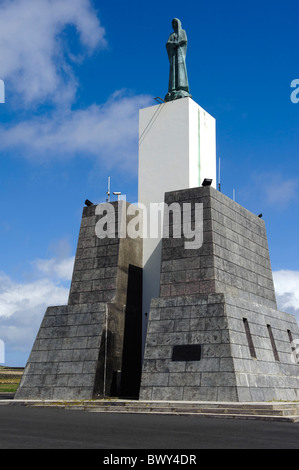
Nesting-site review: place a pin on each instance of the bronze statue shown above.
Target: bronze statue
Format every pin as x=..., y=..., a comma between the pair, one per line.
x=177, y=49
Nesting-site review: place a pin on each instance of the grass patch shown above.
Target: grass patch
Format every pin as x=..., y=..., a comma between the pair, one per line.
x=10, y=379
x=8, y=387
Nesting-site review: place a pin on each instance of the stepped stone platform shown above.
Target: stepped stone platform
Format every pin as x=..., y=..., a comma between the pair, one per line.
x=284, y=412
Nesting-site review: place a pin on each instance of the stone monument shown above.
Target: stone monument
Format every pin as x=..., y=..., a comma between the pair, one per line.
x=214, y=332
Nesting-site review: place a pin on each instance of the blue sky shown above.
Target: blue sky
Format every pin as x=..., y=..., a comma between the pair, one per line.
x=76, y=73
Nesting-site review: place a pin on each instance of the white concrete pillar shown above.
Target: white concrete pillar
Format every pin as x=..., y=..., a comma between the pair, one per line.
x=177, y=150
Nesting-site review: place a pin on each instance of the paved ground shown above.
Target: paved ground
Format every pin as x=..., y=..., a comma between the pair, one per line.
x=31, y=428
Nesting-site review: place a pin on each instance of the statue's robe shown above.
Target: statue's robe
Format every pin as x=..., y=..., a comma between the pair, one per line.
x=177, y=49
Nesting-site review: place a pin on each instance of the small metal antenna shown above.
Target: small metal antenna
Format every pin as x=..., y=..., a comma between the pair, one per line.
x=219, y=182
x=108, y=192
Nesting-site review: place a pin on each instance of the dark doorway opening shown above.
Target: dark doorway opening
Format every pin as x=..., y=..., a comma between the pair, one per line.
x=132, y=346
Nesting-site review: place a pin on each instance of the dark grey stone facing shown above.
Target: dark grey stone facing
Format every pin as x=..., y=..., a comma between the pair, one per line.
x=226, y=371
x=205, y=295
x=195, y=320
x=96, y=263
x=63, y=360
x=234, y=257
x=83, y=349
x=264, y=378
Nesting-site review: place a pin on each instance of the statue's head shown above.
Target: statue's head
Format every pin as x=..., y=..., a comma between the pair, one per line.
x=176, y=24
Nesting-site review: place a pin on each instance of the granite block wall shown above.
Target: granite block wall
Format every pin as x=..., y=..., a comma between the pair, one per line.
x=234, y=257
x=83, y=349
x=64, y=357
x=188, y=320
x=271, y=370
x=215, y=334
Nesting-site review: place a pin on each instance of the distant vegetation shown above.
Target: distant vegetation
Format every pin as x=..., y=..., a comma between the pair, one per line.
x=10, y=378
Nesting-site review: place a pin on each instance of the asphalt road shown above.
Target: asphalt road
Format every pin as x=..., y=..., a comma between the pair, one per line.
x=31, y=428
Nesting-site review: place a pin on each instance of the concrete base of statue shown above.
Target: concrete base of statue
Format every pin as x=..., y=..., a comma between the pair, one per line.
x=177, y=150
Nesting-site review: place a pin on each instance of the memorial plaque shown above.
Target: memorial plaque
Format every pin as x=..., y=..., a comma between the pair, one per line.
x=187, y=352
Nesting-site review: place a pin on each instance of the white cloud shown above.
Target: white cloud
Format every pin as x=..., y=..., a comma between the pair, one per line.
x=22, y=308
x=37, y=62
x=56, y=268
x=34, y=59
x=286, y=284
x=15, y=297
x=276, y=189
x=23, y=304
x=280, y=191
x=107, y=133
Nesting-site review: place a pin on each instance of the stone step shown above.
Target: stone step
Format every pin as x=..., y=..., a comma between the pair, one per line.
x=273, y=417
x=222, y=412
x=185, y=405
x=287, y=411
